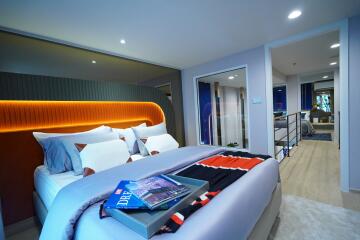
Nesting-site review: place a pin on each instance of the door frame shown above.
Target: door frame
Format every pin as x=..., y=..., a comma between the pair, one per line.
x=342, y=27
x=196, y=95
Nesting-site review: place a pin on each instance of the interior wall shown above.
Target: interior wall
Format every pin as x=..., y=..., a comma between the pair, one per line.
x=255, y=61
x=174, y=78
x=354, y=100
x=26, y=55
x=278, y=77
x=15, y=86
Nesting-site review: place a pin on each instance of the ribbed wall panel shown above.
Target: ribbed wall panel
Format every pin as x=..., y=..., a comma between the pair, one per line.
x=30, y=87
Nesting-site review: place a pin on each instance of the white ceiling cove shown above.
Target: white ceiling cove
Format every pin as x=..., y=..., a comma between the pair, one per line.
x=179, y=33
x=307, y=56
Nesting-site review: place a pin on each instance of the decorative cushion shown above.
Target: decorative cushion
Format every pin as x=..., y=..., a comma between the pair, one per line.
x=101, y=156
x=158, y=144
x=128, y=136
x=61, y=154
x=56, y=159
x=146, y=132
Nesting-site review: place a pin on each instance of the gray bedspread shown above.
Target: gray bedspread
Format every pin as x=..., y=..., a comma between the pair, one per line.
x=306, y=126
x=74, y=213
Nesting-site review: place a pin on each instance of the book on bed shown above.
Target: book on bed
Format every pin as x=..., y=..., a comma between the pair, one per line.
x=123, y=199
x=158, y=190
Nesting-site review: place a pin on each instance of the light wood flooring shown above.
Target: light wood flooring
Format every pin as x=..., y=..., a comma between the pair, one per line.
x=312, y=171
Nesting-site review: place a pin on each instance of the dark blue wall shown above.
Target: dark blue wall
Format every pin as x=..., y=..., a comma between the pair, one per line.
x=306, y=96
x=205, y=112
x=279, y=99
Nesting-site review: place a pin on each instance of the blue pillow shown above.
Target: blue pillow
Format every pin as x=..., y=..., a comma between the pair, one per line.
x=61, y=150
x=57, y=160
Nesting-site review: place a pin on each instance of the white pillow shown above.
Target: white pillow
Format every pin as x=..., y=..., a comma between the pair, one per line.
x=39, y=136
x=148, y=132
x=128, y=136
x=161, y=143
x=100, y=156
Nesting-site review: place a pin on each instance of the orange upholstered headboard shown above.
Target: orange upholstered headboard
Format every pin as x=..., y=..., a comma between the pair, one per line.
x=20, y=154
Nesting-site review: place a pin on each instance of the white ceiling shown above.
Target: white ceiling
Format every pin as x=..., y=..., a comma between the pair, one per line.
x=223, y=78
x=317, y=77
x=178, y=33
x=307, y=56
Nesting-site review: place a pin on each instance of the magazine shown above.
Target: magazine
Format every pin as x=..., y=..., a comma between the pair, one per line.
x=121, y=198
x=157, y=190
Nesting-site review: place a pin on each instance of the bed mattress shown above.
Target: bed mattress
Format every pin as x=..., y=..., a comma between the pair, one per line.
x=48, y=185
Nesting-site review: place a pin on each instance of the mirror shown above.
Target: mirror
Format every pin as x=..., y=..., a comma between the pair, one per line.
x=223, y=109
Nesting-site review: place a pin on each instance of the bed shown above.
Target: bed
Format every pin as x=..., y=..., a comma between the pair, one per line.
x=306, y=126
x=249, y=206
x=47, y=186
x=249, y=215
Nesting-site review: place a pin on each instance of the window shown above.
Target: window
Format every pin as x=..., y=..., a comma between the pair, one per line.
x=222, y=101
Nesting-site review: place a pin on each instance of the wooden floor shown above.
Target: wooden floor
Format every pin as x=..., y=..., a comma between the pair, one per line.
x=313, y=172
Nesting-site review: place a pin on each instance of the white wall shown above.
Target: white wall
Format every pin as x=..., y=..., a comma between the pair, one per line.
x=293, y=94
x=354, y=101
x=324, y=85
x=255, y=61
x=278, y=77
x=336, y=105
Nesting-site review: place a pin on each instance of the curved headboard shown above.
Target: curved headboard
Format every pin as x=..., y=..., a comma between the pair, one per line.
x=20, y=154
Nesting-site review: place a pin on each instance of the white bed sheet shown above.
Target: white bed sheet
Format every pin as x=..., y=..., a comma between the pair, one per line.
x=48, y=185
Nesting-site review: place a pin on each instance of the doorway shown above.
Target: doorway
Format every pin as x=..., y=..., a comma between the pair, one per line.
x=298, y=79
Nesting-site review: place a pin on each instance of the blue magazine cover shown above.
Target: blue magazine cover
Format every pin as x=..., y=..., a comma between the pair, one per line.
x=157, y=190
x=121, y=198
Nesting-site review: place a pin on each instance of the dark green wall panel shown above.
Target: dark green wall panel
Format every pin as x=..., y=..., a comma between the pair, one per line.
x=15, y=86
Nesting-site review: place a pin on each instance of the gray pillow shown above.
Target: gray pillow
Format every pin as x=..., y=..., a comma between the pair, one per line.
x=142, y=133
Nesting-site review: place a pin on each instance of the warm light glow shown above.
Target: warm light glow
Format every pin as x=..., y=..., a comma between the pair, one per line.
x=335, y=45
x=294, y=14
x=333, y=63
x=28, y=115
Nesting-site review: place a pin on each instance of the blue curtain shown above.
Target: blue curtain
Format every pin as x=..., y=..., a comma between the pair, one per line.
x=206, y=135
x=306, y=96
x=279, y=99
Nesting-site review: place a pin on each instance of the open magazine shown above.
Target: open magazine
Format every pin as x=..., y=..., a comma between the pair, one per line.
x=122, y=198
x=158, y=190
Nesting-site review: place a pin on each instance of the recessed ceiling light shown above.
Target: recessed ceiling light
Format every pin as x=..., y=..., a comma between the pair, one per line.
x=122, y=41
x=235, y=75
x=231, y=77
x=333, y=63
x=294, y=14
x=325, y=76
x=93, y=61
x=335, y=45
